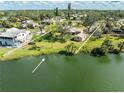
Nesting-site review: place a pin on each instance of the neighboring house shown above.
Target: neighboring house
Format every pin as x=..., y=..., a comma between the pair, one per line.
x=14, y=37
x=47, y=21
x=121, y=21
x=118, y=32
x=26, y=23
x=74, y=31
x=80, y=37
x=57, y=19
x=78, y=34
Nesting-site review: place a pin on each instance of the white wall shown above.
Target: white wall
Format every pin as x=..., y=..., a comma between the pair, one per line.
x=23, y=37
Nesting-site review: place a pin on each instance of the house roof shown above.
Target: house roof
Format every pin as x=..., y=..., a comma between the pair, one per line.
x=11, y=33
x=118, y=31
x=28, y=21
x=81, y=35
x=47, y=21
x=14, y=31
x=7, y=35
x=75, y=30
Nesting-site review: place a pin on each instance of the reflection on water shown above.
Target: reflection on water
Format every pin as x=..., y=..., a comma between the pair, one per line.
x=118, y=58
x=103, y=59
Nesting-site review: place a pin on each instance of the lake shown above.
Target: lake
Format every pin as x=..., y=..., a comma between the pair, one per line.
x=64, y=73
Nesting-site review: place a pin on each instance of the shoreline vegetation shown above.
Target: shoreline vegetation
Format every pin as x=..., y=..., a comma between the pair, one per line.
x=66, y=31
x=47, y=48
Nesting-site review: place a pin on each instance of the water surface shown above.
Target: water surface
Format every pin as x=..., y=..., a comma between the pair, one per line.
x=64, y=73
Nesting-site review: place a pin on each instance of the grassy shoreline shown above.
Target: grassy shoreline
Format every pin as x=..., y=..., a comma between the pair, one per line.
x=53, y=48
x=46, y=48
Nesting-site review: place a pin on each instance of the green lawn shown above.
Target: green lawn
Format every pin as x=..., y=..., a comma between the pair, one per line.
x=46, y=48
x=3, y=50
x=49, y=48
x=115, y=40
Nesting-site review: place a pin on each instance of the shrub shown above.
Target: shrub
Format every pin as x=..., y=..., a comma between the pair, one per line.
x=62, y=40
x=65, y=53
x=34, y=47
x=93, y=38
x=98, y=52
x=37, y=38
x=116, y=51
x=31, y=43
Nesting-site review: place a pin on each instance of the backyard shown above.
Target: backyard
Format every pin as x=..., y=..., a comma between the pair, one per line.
x=55, y=47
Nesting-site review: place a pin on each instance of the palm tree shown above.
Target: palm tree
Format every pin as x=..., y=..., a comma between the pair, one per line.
x=69, y=10
x=121, y=46
x=56, y=12
x=71, y=48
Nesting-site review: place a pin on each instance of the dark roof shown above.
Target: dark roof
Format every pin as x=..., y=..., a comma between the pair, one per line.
x=117, y=30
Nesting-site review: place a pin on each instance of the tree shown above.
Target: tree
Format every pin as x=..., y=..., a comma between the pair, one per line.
x=122, y=27
x=69, y=10
x=69, y=6
x=7, y=24
x=97, y=34
x=98, y=52
x=62, y=28
x=41, y=27
x=109, y=23
x=121, y=46
x=53, y=28
x=56, y=12
x=70, y=49
x=107, y=45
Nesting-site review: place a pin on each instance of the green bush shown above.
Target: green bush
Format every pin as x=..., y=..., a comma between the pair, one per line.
x=31, y=43
x=34, y=47
x=37, y=38
x=93, y=38
x=98, y=52
x=116, y=51
x=65, y=53
x=69, y=37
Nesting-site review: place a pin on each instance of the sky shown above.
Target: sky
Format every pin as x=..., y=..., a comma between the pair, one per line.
x=38, y=5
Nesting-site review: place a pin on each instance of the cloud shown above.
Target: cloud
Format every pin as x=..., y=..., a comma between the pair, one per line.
x=43, y=2
x=61, y=4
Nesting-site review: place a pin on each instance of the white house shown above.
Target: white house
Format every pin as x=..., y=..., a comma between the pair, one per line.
x=80, y=37
x=74, y=31
x=14, y=37
x=26, y=23
x=47, y=21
